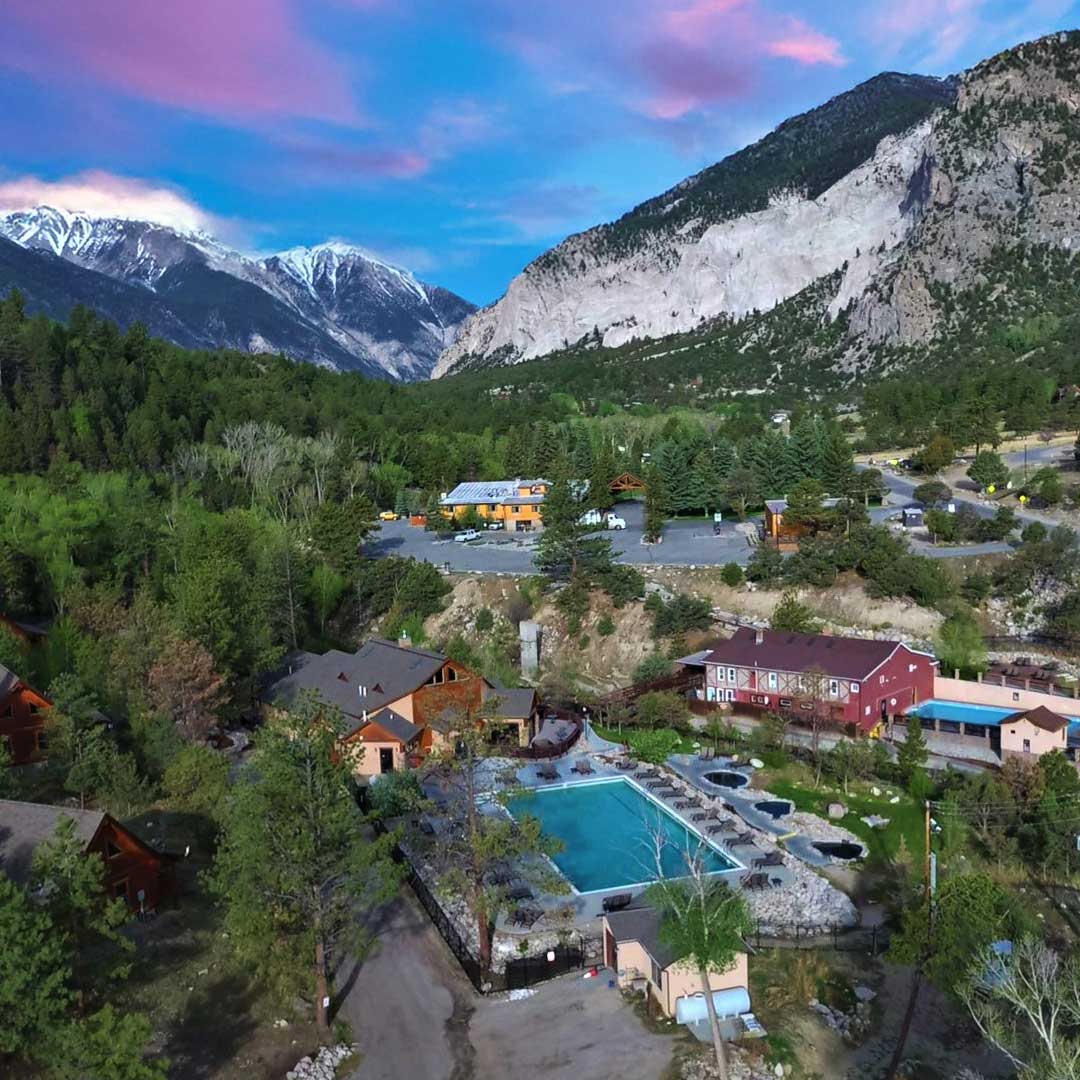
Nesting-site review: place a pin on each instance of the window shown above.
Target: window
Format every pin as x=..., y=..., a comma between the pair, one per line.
x=881, y=680
x=785, y=703
x=657, y=975
x=111, y=850
x=492, y=508
x=867, y=712
x=1027, y=746
x=710, y=693
x=515, y=509
x=854, y=687
x=730, y=674
x=42, y=741
x=911, y=668
x=758, y=699
x=772, y=680
x=1016, y=695
x=34, y=709
x=834, y=688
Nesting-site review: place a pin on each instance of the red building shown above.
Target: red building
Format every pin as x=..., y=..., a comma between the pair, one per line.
x=848, y=681
x=134, y=871
x=22, y=719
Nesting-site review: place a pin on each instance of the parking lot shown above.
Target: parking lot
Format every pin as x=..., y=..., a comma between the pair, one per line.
x=686, y=543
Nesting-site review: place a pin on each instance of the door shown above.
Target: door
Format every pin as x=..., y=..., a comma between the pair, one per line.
x=386, y=759
x=611, y=951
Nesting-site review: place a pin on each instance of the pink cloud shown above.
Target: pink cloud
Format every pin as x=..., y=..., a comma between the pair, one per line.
x=226, y=58
x=944, y=26
x=662, y=59
x=805, y=45
x=323, y=162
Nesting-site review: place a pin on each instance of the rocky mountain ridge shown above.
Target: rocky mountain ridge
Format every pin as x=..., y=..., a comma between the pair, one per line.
x=334, y=304
x=969, y=165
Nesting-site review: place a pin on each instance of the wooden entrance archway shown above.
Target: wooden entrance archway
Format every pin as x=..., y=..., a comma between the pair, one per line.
x=627, y=482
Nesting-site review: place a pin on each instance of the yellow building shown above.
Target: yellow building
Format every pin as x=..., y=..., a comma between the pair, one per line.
x=513, y=504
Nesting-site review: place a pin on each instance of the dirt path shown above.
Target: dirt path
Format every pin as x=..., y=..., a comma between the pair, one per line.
x=410, y=1005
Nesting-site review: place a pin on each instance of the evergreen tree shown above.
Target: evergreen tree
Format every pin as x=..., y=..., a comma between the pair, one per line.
x=706, y=484
x=837, y=463
x=296, y=868
x=656, y=504
x=807, y=446
x=792, y=615
x=569, y=550
x=912, y=753
x=603, y=472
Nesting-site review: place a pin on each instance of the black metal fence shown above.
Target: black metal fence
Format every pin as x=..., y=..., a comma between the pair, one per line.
x=529, y=970
x=869, y=939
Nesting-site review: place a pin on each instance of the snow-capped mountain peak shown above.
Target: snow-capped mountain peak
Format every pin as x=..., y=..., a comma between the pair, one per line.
x=333, y=304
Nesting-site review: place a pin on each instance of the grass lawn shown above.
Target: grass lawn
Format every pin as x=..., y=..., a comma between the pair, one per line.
x=905, y=817
x=686, y=744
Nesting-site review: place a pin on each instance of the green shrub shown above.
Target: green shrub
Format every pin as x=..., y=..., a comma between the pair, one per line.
x=651, y=668
x=655, y=747
x=485, y=620
x=606, y=626
x=732, y=575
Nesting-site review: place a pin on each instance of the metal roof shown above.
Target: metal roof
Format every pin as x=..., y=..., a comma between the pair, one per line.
x=489, y=491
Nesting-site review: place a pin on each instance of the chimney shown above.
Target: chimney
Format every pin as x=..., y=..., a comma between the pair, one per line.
x=759, y=636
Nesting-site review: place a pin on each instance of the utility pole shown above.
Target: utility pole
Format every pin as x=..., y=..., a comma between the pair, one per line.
x=916, y=975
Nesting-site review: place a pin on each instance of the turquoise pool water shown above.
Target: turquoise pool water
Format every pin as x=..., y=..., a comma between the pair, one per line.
x=987, y=715
x=607, y=829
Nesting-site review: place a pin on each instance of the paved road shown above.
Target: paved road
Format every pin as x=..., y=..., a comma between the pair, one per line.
x=416, y=1017
x=686, y=543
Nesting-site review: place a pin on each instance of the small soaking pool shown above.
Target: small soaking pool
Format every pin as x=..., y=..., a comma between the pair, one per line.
x=840, y=849
x=727, y=778
x=775, y=808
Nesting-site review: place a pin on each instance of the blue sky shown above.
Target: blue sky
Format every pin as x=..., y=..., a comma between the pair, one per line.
x=460, y=138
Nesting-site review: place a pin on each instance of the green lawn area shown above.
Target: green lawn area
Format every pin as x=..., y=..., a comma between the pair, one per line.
x=627, y=735
x=905, y=817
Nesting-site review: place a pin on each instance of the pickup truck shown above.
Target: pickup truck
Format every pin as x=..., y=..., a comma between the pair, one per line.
x=613, y=521
x=608, y=520
x=466, y=536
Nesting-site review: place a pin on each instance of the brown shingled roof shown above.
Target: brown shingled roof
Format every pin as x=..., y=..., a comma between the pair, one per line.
x=1040, y=717
x=780, y=650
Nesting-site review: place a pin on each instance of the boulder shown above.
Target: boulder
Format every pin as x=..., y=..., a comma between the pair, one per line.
x=837, y=810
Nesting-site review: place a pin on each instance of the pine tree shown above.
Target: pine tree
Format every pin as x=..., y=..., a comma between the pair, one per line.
x=807, y=447
x=912, y=753
x=656, y=504
x=837, y=463
x=603, y=472
x=706, y=484
x=569, y=550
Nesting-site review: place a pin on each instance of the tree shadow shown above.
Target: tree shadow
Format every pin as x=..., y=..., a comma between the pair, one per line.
x=217, y=1020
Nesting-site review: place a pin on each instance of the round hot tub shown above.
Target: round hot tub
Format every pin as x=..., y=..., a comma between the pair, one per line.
x=775, y=808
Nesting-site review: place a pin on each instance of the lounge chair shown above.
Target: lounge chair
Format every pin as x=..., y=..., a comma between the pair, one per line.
x=742, y=840
x=648, y=774
x=713, y=830
x=547, y=772
x=700, y=816
x=774, y=858
x=665, y=792
x=626, y=764
x=756, y=881
x=582, y=767
x=526, y=917
x=689, y=803
x=618, y=901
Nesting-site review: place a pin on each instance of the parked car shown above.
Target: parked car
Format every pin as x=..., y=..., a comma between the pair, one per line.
x=613, y=521
x=466, y=536
x=388, y=515
x=492, y=526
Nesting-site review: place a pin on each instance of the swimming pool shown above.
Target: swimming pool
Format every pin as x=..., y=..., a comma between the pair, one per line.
x=957, y=711
x=607, y=829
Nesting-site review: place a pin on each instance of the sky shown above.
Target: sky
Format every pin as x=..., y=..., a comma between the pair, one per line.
x=458, y=138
